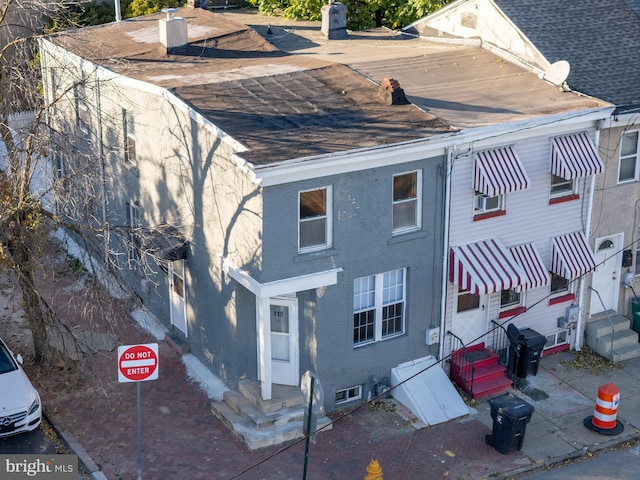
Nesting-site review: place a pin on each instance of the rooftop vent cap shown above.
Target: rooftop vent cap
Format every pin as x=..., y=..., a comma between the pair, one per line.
x=173, y=31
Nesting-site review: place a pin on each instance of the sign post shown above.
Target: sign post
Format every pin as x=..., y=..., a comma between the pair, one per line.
x=138, y=363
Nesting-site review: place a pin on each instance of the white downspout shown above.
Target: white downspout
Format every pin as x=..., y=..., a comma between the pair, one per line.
x=587, y=234
x=445, y=244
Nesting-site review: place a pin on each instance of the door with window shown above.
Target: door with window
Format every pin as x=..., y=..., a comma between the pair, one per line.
x=284, y=340
x=606, y=278
x=470, y=319
x=177, y=296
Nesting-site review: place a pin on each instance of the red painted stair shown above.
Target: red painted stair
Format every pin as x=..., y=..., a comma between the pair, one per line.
x=476, y=370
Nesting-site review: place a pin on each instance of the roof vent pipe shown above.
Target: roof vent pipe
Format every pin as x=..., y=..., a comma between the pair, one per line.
x=118, y=13
x=173, y=31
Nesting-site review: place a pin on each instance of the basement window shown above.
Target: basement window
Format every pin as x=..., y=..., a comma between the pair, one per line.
x=349, y=394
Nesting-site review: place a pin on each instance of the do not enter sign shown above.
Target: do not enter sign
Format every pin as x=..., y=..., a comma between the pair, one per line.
x=138, y=363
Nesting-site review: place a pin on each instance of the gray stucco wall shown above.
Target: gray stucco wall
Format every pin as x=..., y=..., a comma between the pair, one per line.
x=362, y=245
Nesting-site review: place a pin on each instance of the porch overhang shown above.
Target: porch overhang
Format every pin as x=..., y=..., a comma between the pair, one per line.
x=484, y=267
x=571, y=256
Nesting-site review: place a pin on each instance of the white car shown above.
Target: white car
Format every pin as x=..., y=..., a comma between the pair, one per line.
x=20, y=407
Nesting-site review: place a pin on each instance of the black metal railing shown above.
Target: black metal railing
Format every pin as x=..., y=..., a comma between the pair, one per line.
x=464, y=369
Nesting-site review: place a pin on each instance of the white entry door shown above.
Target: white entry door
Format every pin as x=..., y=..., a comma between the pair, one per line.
x=470, y=317
x=176, y=294
x=284, y=341
x=606, y=278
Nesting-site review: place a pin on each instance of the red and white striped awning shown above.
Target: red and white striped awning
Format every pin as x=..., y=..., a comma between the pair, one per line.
x=498, y=171
x=484, y=267
x=574, y=156
x=528, y=258
x=571, y=256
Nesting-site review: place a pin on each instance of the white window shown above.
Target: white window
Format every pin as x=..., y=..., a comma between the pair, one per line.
x=487, y=204
x=559, y=285
x=629, y=157
x=510, y=299
x=406, y=201
x=561, y=337
x=561, y=187
x=83, y=116
x=314, y=214
x=128, y=128
x=378, y=306
x=349, y=394
x=133, y=224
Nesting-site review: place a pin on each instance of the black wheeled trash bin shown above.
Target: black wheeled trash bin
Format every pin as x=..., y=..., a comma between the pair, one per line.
x=635, y=312
x=510, y=417
x=533, y=343
x=524, y=351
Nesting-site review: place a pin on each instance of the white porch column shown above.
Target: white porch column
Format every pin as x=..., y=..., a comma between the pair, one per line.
x=264, y=345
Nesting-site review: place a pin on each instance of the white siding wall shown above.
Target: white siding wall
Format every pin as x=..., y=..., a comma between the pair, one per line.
x=529, y=218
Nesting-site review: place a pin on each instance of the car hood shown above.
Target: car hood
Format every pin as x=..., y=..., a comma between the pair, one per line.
x=17, y=392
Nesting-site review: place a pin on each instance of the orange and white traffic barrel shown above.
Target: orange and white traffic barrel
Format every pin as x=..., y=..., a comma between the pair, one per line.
x=604, y=418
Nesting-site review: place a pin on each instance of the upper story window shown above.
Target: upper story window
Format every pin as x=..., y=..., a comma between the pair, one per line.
x=487, y=204
x=629, y=157
x=406, y=201
x=314, y=219
x=561, y=187
x=378, y=306
x=559, y=285
x=129, y=135
x=133, y=225
x=83, y=116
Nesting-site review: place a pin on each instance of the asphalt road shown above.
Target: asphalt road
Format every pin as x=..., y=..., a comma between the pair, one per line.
x=621, y=464
x=35, y=442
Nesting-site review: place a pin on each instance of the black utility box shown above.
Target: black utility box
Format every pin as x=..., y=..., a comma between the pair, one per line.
x=510, y=416
x=524, y=351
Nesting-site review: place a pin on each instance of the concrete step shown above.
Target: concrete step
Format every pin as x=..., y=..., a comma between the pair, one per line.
x=619, y=339
x=282, y=396
x=602, y=326
x=260, y=438
x=255, y=416
x=625, y=353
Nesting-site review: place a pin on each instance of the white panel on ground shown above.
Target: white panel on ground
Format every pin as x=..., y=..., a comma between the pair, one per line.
x=429, y=395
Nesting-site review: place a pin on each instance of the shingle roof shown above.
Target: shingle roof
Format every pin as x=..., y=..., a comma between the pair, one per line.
x=600, y=40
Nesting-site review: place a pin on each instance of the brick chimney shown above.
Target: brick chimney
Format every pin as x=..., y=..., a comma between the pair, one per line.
x=390, y=92
x=173, y=31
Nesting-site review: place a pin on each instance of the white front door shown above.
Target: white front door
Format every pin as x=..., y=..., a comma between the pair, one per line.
x=606, y=278
x=470, y=318
x=176, y=295
x=284, y=340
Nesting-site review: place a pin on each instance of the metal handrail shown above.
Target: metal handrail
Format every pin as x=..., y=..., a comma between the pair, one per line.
x=464, y=362
x=606, y=312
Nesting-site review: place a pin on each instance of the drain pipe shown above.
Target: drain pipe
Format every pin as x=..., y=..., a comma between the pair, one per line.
x=445, y=247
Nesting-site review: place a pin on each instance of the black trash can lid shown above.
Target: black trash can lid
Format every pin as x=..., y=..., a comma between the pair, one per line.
x=511, y=406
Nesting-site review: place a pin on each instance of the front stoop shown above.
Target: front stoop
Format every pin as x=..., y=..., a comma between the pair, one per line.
x=263, y=423
x=488, y=377
x=613, y=340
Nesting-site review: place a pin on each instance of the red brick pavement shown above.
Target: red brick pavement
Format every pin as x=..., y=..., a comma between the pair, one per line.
x=182, y=440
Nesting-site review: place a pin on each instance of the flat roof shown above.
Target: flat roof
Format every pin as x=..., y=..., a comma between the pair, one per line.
x=285, y=91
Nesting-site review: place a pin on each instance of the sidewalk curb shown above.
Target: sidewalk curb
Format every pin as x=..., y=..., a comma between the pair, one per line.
x=550, y=463
x=84, y=460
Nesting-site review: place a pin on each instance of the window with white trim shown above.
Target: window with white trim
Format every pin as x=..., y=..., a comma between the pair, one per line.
x=348, y=394
x=314, y=219
x=561, y=337
x=487, y=204
x=629, y=157
x=561, y=187
x=406, y=201
x=510, y=299
x=133, y=224
x=559, y=285
x=129, y=136
x=83, y=116
x=378, y=306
